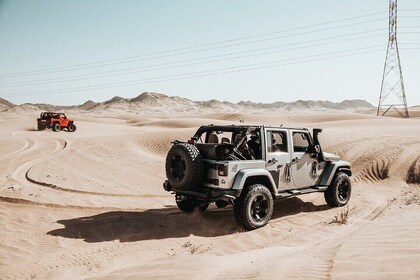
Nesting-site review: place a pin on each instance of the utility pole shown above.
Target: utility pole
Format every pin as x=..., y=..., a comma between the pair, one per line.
x=392, y=93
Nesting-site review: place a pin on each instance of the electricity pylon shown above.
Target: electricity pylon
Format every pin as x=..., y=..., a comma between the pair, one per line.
x=392, y=89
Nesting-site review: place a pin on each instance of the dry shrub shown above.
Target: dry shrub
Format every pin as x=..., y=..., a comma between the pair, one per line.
x=190, y=247
x=341, y=218
x=413, y=175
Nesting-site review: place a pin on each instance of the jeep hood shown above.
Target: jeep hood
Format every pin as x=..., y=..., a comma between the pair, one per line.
x=331, y=157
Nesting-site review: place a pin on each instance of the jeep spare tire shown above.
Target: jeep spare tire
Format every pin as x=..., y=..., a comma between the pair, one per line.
x=184, y=166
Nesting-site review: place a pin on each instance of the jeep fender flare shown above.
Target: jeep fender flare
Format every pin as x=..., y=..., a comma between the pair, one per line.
x=331, y=169
x=245, y=174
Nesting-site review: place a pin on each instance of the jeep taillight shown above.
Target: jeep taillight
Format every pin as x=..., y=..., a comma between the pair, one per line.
x=222, y=169
x=192, y=141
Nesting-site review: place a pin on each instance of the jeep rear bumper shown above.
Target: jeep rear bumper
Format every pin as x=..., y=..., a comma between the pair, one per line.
x=206, y=193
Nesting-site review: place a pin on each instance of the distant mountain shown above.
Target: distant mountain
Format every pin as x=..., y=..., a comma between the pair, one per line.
x=356, y=103
x=346, y=105
x=115, y=100
x=4, y=104
x=88, y=105
x=149, y=102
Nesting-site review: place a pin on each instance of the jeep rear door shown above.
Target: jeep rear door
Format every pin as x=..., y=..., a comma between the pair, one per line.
x=277, y=151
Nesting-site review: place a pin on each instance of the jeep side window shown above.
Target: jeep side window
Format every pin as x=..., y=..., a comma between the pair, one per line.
x=300, y=141
x=276, y=142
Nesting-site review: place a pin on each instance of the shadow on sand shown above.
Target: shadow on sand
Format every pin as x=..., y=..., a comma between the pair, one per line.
x=166, y=223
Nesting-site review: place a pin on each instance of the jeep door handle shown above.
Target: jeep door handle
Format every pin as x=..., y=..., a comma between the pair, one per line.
x=272, y=161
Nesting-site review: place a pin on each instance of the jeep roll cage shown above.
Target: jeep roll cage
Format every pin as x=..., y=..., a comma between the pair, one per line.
x=246, y=130
x=51, y=115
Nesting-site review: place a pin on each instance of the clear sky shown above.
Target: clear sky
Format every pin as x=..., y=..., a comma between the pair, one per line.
x=66, y=52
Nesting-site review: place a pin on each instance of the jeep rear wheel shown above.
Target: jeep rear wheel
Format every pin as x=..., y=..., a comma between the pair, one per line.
x=41, y=127
x=184, y=166
x=254, y=207
x=56, y=127
x=221, y=204
x=189, y=204
x=339, y=192
x=71, y=128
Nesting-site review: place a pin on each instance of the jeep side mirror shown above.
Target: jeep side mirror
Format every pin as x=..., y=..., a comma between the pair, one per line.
x=315, y=150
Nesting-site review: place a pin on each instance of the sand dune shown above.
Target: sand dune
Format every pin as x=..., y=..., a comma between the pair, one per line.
x=90, y=204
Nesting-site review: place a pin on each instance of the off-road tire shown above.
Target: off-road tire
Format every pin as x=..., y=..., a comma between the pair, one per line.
x=189, y=204
x=254, y=207
x=339, y=191
x=71, y=128
x=41, y=127
x=184, y=167
x=56, y=127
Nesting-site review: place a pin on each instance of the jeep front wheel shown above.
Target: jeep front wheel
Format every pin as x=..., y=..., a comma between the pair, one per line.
x=41, y=127
x=338, y=193
x=254, y=207
x=56, y=127
x=71, y=128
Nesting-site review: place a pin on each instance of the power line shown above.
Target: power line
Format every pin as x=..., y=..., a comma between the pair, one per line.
x=205, y=75
x=177, y=65
x=160, y=54
x=218, y=71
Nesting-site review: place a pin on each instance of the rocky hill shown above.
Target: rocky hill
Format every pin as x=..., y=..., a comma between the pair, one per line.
x=149, y=102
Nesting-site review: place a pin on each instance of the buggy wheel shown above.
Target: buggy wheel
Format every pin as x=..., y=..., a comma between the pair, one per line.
x=254, y=207
x=41, y=127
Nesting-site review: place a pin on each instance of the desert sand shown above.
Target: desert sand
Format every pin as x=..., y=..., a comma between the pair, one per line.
x=90, y=204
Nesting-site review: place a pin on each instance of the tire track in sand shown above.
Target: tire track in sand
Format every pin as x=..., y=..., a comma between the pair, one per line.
x=29, y=143
x=21, y=201
x=58, y=188
x=61, y=145
x=318, y=258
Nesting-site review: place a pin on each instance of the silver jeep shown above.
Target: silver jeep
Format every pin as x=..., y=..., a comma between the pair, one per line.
x=250, y=166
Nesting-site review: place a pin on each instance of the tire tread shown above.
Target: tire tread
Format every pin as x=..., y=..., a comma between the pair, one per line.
x=241, y=215
x=330, y=194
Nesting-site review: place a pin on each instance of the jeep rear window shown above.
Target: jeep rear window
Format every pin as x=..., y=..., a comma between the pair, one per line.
x=276, y=141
